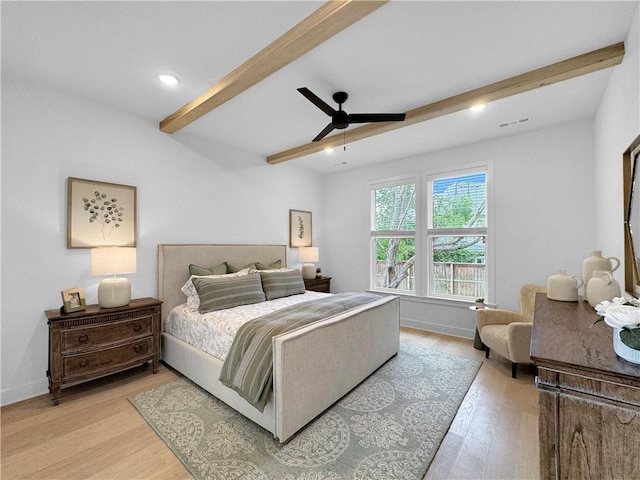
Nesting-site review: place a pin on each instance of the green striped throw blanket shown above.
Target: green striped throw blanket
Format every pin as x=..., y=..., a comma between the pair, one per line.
x=248, y=368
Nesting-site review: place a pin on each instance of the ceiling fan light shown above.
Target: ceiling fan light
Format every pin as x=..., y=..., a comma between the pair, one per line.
x=168, y=79
x=478, y=108
x=328, y=149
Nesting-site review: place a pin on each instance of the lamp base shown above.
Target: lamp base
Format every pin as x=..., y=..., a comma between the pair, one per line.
x=308, y=271
x=114, y=292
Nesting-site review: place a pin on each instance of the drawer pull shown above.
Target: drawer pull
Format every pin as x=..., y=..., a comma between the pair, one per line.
x=83, y=338
x=84, y=362
x=137, y=348
x=137, y=327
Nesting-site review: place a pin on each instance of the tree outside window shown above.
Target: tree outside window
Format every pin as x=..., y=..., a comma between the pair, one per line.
x=456, y=235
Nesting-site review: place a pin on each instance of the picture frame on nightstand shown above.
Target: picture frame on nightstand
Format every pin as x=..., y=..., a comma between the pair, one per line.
x=73, y=300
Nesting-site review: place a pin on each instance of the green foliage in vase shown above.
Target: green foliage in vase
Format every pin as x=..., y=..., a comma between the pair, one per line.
x=631, y=337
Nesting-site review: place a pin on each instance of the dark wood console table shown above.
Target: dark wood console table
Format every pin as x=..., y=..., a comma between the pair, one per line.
x=589, y=398
x=100, y=341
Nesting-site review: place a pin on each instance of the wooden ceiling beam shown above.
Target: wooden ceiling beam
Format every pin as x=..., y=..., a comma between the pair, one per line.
x=571, y=68
x=330, y=19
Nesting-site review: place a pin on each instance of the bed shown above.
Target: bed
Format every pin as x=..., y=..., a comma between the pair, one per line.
x=313, y=366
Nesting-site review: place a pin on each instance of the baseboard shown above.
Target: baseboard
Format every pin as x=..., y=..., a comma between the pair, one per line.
x=24, y=392
x=438, y=328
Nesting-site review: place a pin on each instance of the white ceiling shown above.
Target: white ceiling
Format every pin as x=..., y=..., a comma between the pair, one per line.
x=403, y=55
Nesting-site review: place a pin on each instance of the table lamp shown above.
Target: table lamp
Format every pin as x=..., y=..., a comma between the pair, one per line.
x=114, y=291
x=307, y=255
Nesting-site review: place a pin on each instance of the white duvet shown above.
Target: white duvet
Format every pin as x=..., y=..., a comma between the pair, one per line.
x=213, y=332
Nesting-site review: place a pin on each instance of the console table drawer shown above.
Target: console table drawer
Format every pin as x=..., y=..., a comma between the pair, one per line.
x=77, y=365
x=82, y=338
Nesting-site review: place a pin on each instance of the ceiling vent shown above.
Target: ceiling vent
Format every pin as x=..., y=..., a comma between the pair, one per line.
x=521, y=121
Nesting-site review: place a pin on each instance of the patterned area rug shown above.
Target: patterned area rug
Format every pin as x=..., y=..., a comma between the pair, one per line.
x=389, y=427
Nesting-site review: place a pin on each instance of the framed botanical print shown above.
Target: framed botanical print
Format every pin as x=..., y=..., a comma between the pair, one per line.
x=100, y=214
x=299, y=228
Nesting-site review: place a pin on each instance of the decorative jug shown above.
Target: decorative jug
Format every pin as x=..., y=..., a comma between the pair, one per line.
x=601, y=287
x=563, y=287
x=597, y=262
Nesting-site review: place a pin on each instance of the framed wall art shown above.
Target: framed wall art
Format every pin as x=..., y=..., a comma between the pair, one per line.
x=73, y=300
x=299, y=228
x=100, y=214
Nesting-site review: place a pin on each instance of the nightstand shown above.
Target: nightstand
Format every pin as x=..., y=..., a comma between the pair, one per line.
x=100, y=341
x=318, y=284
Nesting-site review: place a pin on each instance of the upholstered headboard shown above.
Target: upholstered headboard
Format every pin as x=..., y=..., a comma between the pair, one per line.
x=174, y=261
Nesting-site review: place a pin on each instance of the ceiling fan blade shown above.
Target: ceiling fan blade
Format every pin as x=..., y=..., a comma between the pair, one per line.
x=376, y=117
x=317, y=101
x=324, y=132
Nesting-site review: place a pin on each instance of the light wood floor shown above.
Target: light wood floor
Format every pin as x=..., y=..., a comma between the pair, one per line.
x=95, y=433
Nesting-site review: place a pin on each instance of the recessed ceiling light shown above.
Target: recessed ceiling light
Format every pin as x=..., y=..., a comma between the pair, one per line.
x=328, y=149
x=168, y=79
x=478, y=108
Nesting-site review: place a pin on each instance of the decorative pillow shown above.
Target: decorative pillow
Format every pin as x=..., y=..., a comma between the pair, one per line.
x=233, y=268
x=215, y=270
x=281, y=283
x=262, y=266
x=221, y=293
x=193, y=300
x=271, y=270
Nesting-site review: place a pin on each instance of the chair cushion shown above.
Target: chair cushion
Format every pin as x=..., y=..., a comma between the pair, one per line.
x=496, y=337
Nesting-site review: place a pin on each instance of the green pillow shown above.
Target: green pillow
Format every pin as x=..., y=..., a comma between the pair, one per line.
x=234, y=269
x=221, y=293
x=262, y=266
x=282, y=284
x=202, y=271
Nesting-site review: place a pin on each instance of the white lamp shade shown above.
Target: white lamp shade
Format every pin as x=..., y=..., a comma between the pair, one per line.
x=116, y=291
x=309, y=254
x=113, y=260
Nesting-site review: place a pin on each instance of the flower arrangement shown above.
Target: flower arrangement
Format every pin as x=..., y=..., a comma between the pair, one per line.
x=624, y=314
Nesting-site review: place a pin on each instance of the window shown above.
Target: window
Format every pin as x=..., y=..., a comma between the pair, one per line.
x=457, y=234
x=393, y=235
x=447, y=245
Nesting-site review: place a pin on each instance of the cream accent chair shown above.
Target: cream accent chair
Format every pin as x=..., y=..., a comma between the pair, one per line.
x=509, y=333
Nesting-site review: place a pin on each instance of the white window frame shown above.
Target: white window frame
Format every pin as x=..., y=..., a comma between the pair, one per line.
x=378, y=234
x=423, y=266
x=430, y=232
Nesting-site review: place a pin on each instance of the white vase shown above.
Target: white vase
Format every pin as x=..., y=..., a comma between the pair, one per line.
x=597, y=262
x=563, y=287
x=601, y=287
x=628, y=353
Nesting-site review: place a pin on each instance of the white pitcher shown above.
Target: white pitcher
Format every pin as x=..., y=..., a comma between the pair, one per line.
x=602, y=286
x=597, y=262
x=563, y=287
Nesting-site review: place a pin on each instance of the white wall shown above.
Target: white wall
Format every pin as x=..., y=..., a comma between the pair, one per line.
x=617, y=124
x=543, y=215
x=188, y=191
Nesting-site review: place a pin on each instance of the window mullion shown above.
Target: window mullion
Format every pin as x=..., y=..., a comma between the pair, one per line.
x=454, y=232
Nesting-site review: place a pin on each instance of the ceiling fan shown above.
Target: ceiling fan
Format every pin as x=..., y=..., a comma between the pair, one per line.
x=341, y=119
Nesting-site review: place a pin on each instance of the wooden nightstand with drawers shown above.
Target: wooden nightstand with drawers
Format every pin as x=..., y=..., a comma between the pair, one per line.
x=100, y=341
x=318, y=284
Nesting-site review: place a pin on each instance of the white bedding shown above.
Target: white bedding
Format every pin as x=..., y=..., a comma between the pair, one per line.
x=213, y=332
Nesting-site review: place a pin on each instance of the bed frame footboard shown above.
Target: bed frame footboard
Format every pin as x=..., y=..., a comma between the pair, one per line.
x=317, y=365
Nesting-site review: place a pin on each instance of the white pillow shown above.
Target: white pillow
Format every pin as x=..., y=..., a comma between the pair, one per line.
x=193, y=300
